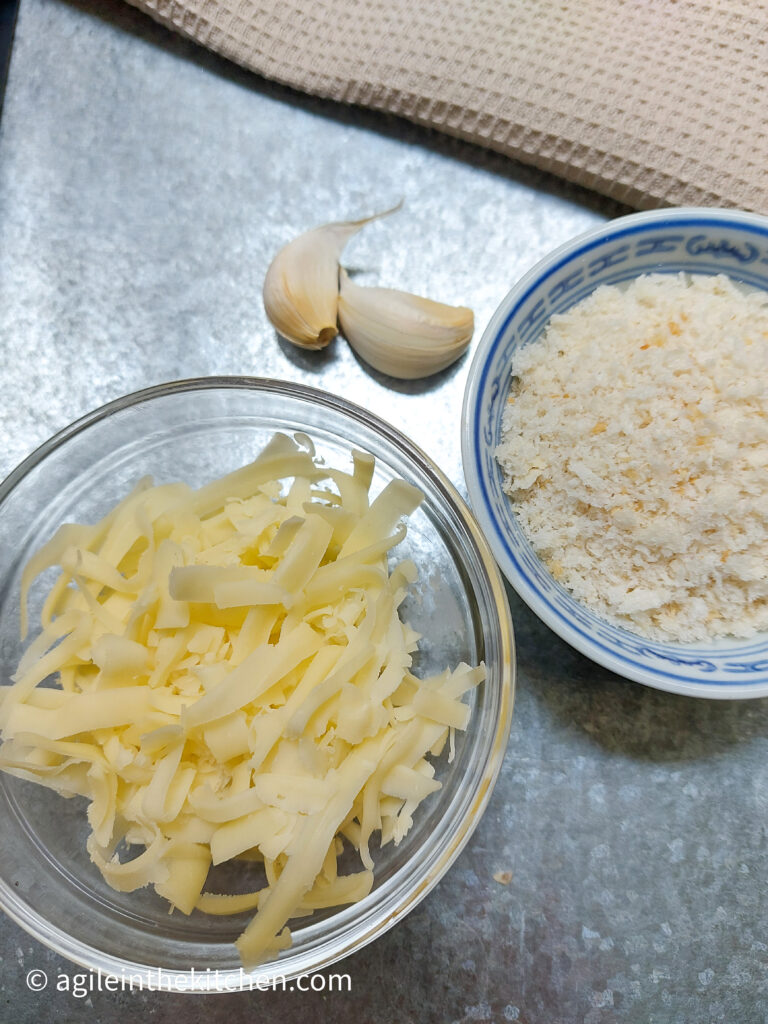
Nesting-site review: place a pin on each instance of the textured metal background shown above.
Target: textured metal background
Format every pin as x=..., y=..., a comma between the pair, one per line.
x=144, y=186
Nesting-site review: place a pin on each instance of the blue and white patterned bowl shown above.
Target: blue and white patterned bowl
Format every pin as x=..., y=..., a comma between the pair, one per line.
x=701, y=241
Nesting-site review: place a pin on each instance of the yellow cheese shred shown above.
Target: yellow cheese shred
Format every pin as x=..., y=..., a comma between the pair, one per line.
x=226, y=676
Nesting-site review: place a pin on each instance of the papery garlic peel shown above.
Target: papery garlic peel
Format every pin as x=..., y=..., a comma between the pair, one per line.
x=301, y=287
x=400, y=334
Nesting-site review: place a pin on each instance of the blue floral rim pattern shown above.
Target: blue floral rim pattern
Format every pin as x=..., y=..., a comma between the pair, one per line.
x=688, y=241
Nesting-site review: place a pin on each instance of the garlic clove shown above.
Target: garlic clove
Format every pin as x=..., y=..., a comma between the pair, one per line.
x=301, y=288
x=400, y=334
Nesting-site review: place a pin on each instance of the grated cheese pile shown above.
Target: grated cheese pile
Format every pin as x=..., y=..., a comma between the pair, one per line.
x=635, y=448
x=233, y=681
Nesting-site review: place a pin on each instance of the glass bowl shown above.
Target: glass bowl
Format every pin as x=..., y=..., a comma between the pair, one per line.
x=194, y=431
x=695, y=241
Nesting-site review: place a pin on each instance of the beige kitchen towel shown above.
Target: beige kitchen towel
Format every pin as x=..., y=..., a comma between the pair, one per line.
x=651, y=102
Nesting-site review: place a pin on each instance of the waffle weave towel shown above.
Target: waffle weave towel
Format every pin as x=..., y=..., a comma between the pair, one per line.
x=651, y=102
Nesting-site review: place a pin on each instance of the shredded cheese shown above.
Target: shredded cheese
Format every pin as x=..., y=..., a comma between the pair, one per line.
x=234, y=681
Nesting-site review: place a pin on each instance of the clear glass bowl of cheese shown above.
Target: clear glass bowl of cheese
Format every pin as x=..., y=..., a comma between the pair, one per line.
x=196, y=431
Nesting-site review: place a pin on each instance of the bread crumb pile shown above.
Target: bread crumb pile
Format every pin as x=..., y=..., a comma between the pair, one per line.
x=635, y=449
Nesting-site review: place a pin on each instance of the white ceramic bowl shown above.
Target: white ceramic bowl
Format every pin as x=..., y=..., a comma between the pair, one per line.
x=700, y=241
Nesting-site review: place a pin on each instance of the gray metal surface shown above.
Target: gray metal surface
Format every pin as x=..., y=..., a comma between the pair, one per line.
x=144, y=186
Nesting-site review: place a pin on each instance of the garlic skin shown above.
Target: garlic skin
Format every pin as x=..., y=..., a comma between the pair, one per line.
x=400, y=334
x=301, y=288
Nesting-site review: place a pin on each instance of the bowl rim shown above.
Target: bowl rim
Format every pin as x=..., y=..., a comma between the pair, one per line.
x=578, y=245
x=231, y=980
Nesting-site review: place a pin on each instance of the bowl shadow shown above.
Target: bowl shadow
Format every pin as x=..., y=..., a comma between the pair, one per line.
x=619, y=715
